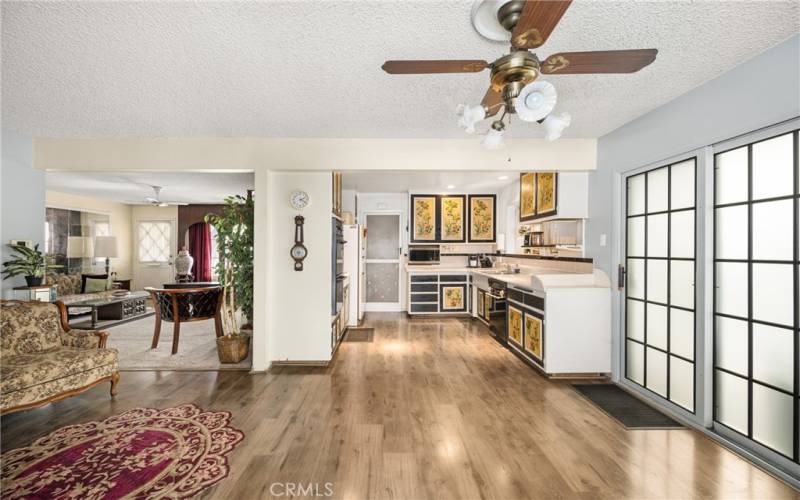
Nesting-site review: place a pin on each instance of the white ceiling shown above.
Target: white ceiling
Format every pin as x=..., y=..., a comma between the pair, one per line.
x=312, y=69
x=395, y=181
x=128, y=187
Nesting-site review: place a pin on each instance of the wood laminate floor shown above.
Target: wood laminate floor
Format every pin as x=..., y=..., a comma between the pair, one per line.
x=432, y=408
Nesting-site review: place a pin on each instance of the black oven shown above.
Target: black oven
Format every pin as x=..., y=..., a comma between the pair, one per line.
x=337, y=266
x=496, y=297
x=423, y=254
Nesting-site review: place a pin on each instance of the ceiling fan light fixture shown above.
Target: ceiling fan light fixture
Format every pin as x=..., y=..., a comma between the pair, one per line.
x=486, y=22
x=468, y=116
x=554, y=125
x=494, y=137
x=535, y=101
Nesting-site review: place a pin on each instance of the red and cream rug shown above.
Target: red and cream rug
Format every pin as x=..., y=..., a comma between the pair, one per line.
x=142, y=453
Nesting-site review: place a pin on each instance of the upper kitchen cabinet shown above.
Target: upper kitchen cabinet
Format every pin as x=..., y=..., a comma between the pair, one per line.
x=551, y=195
x=424, y=210
x=453, y=218
x=482, y=221
x=337, y=194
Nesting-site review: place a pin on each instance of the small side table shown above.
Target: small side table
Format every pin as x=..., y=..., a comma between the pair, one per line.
x=42, y=293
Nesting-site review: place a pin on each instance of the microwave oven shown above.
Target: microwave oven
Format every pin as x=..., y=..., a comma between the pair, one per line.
x=423, y=254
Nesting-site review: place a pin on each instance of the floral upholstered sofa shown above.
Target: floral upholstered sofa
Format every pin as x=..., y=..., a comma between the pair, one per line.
x=69, y=289
x=42, y=360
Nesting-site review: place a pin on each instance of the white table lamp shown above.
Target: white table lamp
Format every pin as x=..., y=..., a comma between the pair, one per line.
x=106, y=246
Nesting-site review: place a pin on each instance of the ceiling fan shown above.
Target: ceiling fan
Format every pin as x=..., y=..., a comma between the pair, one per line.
x=155, y=200
x=513, y=84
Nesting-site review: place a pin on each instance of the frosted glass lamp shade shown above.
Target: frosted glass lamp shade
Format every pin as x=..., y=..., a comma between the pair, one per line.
x=493, y=139
x=554, y=125
x=468, y=116
x=105, y=246
x=535, y=101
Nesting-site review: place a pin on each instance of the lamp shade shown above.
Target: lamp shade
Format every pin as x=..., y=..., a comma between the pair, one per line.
x=79, y=247
x=105, y=246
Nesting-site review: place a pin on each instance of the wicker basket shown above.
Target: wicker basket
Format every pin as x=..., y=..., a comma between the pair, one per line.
x=234, y=348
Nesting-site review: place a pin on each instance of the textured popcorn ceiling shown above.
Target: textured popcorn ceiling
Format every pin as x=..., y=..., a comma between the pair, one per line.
x=312, y=69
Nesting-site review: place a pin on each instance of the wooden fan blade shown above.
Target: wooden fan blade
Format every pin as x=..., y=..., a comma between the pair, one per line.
x=420, y=67
x=603, y=61
x=537, y=20
x=492, y=101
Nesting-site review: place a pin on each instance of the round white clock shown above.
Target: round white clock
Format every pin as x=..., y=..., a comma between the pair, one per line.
x=299, y=200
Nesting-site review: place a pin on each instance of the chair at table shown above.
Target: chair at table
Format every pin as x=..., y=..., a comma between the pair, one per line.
x=184, y=305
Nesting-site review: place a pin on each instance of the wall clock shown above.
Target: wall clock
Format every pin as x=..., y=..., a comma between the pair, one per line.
x=299, y=251
x=299, y=199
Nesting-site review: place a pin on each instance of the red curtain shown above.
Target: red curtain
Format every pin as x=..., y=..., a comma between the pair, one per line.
x=200, y=249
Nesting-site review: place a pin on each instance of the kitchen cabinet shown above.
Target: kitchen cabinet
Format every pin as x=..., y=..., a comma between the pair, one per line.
x=515, y=325
x=550, y=195
x=336, y=195
x=435, y=293
x=455, y=218
x=526, y=325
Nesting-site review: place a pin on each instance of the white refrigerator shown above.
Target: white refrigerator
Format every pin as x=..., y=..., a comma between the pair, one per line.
x=355, y=253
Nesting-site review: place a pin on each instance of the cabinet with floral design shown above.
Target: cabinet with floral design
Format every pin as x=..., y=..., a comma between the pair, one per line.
x=452, y=218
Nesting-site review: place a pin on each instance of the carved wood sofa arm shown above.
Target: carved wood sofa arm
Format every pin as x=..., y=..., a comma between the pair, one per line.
x=72, y=337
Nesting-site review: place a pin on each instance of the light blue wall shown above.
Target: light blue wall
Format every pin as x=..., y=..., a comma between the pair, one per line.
x=760, y=92
x=23, y=198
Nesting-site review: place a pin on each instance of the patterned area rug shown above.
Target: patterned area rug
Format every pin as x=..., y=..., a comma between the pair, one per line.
x=197, y=348
x=142, y=453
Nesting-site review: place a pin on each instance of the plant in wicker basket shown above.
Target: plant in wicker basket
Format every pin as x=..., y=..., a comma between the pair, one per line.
x=235, y=270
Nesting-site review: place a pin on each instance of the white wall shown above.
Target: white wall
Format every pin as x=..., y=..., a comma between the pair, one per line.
x=312, y=154
x=119, y=215
x=23, y=199
x=299, y=302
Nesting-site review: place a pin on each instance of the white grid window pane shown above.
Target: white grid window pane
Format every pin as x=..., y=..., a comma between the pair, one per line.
x=154, y=241
x=772, y=167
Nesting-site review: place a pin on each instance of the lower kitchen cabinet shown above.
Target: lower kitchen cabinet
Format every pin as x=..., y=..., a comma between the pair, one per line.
x=534, y=336
x=515, y=325
x=452, y=298
x=433, y=293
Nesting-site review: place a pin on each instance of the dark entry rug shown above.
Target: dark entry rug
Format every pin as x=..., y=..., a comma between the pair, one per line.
x=357, y=334
x=628, y=410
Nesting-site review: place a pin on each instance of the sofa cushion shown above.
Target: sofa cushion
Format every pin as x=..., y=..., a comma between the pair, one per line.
x=29, y=327
x=66, y=284
x=94, y=285
x=85, y=277
x=22, y=371
x=48, y=389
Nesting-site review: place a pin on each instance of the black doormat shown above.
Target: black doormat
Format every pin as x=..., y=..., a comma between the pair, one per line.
x=628, y=410
x=355, y=334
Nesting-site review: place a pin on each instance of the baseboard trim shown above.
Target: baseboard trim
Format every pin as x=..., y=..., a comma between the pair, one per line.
x=300, y=363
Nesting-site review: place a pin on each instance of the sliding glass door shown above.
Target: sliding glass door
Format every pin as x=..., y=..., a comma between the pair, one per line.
x=756, y=293
x=660, y=212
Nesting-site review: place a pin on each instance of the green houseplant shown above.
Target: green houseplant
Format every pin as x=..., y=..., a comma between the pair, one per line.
x=235, y=271
x=29, y=262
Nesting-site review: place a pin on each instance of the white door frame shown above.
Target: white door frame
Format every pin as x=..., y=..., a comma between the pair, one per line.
x=388, y=306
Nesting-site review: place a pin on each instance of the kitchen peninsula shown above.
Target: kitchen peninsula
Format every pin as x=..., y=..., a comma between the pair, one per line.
x=554, y=313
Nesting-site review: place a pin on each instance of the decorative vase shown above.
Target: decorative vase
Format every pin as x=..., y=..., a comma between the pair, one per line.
x=183, y=262
x=34, y=280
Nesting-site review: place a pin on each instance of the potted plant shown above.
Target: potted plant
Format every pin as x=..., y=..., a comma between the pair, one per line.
x=29, y=262
x=235, y=271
